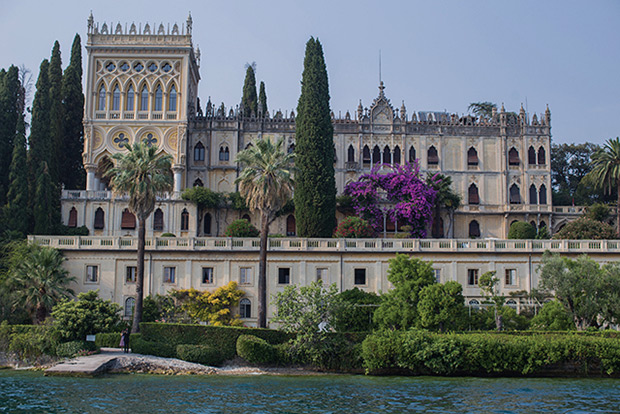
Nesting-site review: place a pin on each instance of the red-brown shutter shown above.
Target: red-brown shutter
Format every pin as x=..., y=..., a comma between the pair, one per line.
x=128, y=220
x=72, y=218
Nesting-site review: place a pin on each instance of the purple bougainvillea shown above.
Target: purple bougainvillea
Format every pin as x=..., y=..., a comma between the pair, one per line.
x=400, y=192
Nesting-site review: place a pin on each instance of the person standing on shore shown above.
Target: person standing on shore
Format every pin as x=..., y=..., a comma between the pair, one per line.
x=125, y=340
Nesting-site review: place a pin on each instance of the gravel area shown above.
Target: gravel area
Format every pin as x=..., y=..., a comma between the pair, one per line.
x=157, y=365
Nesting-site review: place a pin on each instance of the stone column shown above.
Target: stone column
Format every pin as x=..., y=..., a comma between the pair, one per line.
x=177, y=170
x=91, y=169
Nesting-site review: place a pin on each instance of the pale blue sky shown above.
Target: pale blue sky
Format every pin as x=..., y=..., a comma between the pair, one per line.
x=437, y=55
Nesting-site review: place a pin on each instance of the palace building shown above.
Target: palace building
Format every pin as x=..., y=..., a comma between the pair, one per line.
x=142, y=84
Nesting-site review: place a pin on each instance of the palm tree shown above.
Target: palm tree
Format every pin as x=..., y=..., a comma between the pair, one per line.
x=142, y=174
x=446, y=199
x=606, y=171
x=266, y=183
x=39, y=281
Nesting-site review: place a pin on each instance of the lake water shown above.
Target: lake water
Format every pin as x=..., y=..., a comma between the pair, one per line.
x=31, y=392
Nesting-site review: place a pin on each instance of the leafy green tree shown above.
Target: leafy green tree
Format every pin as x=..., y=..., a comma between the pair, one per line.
x=488, y=286
x=482, y=109
x=521, y=230
x=586, y=229
x=17, y=216
x=11, y=109
x=266, y=184
x=358, y=317
x=88, y=315
x=598, y=211
x=553, y=317
x=39, y=279
x=204, y=199
x=39, y=146
x=56, y=120
x=587, y=292
x=262, y=99
x=72, y=173
x=569, y=165
x=249, y=101
x=241, y=228
x=142, y=174
x=606, y=171
x=399, y=306
x=441, y=306
x=315, y=189
x=446, y=199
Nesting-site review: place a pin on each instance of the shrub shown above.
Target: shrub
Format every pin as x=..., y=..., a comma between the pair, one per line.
x=553, y=317
x=168, y=235
x=521, y=230
x=241, y=228
x=256, y=350
x=354, y=228
x=32, y=343
x=200, y=354
x=141, y=346
x=73, y=348
x=598, y=212
x=358, y=316
x=222, y=338
x=586, y=229
x=108, y=340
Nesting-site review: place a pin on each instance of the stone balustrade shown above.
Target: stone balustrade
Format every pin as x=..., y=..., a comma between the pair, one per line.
x=331, y=245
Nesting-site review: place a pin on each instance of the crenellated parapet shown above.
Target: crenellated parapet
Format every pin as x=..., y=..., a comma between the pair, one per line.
x=146, y=33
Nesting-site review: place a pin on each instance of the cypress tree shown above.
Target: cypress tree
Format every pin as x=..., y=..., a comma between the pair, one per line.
x=315, y=185
x=17, y=216
x=56, y=114
x=262, y=99
x=38, y=143
x=46, y=215
x=249, y=101
x=72, y=171
x=10, y=93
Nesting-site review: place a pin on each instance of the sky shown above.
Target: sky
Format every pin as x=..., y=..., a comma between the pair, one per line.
x=435, y=55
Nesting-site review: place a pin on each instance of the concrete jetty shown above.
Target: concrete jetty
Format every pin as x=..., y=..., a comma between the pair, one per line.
x=87, y=366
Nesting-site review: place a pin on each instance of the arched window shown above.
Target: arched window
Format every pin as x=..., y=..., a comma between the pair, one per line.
x=376, y=155
x=473, y=197
x=472, y=157
x=533, y=223
x=101, y=99
x=513, y=157
x=158, y=99
x=542, y=194
x=172, y=99
x=116, y=99
x=387, y=155
x=474, y=304
x=531, y=156
x=144, y=99
x=224, y=153
x=72, y=218
x=411, y=154
x=432, y=156
x=184, y=220
x=396, y=155
x=351, y=154
x=291, y=225
x=158, y=220
x=474, y=229
x=542, y=224
x=207, y=224
x=199, y=152
x=245, y=308
x=129, y=305
x=246, y=217
x=542, y=157
x=366, y=155
x=533, y=194
x=515, y=194
x=198, y=183
x=129, y=103
x=99, y=219
x=128, y=220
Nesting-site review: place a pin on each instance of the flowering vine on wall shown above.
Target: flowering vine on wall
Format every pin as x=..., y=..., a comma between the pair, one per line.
x=407, y=199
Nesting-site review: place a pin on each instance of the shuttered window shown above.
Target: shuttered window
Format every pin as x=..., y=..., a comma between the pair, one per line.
x=290, y=225
x=542, y=158
x=533, y=194
x=531, y=156
x=184, y=220
x=473, y=195
x=513, y=157
x=72, y=218
x=128, y=220
x=472, y=157
x=99, y=219
x=474, y=229
x=542, y=195
x=515, y=196
x=158, y=220
x=432, y=156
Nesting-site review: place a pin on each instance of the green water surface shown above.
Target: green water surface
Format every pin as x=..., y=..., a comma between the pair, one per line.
x=31, y=392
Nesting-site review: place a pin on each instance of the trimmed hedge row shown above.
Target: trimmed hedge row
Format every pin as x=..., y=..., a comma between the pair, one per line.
x=420, y=352
x=201, y=354
x=256, y=350
x=222, y=338
x=108, y=340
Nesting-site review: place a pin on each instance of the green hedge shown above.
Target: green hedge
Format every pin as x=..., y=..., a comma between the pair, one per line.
x=201, y=354
x=108, y=340
x=222, y=338
x=72, y=348
x=421, y=352
x=27, y=341
x=256, y=350
x=141, y=346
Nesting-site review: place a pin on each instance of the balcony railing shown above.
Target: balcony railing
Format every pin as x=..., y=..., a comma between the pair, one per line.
x=108, y=195
x=331, y=245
